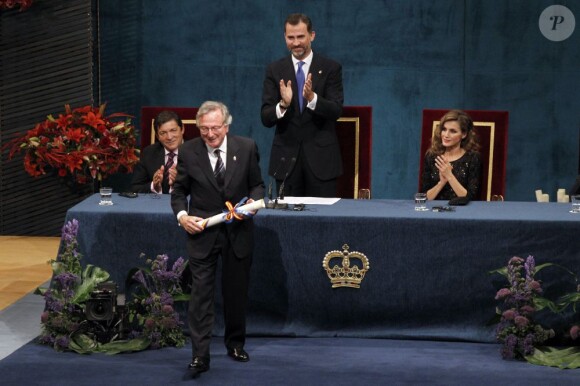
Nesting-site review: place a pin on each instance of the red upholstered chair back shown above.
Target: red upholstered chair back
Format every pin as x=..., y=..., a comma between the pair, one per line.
x=354, y=131
x=491, y=128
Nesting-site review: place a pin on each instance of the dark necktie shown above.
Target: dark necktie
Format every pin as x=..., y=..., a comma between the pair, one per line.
x=220, y=170
x=300, y=84
x=168, y=165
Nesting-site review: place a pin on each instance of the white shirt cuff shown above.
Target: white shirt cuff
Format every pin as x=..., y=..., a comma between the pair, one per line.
x=312, y=104
x=180, y=215
x=279, y=113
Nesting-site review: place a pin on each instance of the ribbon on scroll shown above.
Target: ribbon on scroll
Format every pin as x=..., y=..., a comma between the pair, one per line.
x=238, y=212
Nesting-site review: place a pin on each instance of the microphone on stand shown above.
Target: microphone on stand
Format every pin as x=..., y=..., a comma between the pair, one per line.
x=271, y=204
x=281, y=191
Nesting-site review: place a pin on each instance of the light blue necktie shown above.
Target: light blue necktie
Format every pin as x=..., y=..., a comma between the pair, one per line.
x=300, y=83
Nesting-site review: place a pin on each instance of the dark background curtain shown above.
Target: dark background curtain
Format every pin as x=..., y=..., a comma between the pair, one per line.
x=398, y=57
x=47, y=60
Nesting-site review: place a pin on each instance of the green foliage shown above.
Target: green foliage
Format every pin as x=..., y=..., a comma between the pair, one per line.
x=562, y=358
x=64, y=322
x=90, y=278
x=152, y=308
x=85, y=344
x=516, y=330
x=69, y=290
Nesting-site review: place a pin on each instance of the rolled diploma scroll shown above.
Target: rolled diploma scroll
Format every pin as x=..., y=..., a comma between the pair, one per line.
x=219, y=218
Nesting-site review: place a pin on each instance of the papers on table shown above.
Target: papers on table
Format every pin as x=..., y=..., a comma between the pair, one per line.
x=309, y=200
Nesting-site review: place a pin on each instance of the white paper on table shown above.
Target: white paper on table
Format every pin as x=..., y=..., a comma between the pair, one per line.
x=309, y=200
x=221, y=217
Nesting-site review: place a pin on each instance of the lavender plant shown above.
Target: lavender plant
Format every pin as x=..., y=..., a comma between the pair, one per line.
x=64, y=322
x=152, y=310
x=71, y=286
x=517, y=330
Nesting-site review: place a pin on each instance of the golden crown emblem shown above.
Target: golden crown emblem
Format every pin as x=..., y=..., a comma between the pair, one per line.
x=346, y=276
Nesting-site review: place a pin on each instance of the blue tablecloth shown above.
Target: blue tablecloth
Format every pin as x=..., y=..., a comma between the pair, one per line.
x=428, y=274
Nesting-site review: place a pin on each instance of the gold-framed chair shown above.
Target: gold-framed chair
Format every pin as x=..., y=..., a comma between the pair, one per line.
x=355, y=135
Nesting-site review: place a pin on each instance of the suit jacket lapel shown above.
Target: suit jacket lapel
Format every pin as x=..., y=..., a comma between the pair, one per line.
x=232, y=161
x=159, y=156
x=315, y=70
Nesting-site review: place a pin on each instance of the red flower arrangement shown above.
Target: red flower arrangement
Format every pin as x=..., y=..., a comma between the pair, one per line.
x=82, y=143
x=9, y=4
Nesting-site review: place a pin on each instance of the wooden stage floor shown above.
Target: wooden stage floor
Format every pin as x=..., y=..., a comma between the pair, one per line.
x=23, y=265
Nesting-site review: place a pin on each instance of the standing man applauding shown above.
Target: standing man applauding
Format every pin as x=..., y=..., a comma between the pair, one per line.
x=213, y=169
x=302, y=96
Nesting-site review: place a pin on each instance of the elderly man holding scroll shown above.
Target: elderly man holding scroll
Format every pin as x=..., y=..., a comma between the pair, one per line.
x=218, y=171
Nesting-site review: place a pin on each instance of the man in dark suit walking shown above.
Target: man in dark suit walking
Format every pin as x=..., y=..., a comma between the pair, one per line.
x=302, y=96
x=211, y=170
x=156, y=170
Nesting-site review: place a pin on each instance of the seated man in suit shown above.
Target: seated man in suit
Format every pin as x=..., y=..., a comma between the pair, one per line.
x=156, y=170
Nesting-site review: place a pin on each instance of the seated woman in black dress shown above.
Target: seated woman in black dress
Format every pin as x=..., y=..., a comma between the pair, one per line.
x=452, y=166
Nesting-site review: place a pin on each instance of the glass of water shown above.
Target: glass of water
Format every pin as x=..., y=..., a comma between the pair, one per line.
x=106, y=196
x=421, y=202
x=575, y=203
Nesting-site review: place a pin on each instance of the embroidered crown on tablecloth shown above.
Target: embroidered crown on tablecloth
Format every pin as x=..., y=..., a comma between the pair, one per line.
x=346, y=275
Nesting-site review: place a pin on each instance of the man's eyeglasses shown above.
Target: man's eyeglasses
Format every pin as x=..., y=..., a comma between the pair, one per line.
x=205, y=130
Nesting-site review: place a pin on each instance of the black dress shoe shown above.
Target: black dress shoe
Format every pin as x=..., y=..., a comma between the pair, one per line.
x=199, y=365
x=238, y=354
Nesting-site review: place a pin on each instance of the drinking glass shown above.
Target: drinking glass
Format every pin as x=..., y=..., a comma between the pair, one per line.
x=106, y=196
x=421, y=202
x=575, y=203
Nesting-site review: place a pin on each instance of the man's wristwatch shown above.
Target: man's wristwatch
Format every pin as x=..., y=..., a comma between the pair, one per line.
x=282, y=104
